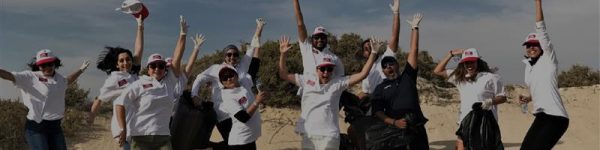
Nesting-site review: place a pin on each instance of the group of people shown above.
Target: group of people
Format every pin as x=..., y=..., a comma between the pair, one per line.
x=144, y=100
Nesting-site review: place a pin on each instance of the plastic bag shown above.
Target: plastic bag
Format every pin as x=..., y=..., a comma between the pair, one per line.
x=191, y=126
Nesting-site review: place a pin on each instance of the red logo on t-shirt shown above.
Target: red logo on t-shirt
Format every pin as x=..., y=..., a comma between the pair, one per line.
x=242, y=100
x=122, y=82
x=147, y=86
x=310, y=82
x=43, y=80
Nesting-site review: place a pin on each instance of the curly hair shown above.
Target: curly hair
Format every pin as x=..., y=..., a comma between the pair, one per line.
x=459, y=73
x=107, y=60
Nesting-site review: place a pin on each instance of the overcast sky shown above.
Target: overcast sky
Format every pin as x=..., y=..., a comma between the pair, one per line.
x=78, y=29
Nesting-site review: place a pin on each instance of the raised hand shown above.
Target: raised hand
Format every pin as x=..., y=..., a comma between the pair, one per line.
x=198, y=40
x=139, y=20
x=375, y=45
x=416, y=20
x=395, y=6
x=84, y=66
x=284, y=44
x=457, y=51
x=183, y=26
x=260, y=97
x=260, y=22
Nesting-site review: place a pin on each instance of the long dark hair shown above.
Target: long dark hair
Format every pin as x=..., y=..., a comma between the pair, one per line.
x=34, y=67
x=107, y=60
x=459, y=73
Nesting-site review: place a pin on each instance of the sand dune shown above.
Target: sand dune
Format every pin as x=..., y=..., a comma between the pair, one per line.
x=278, y=124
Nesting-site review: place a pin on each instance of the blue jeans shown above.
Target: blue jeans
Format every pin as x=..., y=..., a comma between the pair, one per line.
x=47, y=135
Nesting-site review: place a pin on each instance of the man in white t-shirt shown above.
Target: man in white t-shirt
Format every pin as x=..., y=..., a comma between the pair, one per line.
x=318, y=123
x=541, y=69
x=247, y=68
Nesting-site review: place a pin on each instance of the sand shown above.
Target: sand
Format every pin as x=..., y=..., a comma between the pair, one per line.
x=278, y=124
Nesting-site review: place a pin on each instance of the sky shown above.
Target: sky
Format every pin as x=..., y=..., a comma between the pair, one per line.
x=77, y=30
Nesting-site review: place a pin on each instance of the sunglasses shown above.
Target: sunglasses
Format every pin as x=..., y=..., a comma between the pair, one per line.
x=157, y=66
x=320, y=37
x=389, y=65
x=45, y=65
x=323, y=69
x=531, y=46
x=232, y=54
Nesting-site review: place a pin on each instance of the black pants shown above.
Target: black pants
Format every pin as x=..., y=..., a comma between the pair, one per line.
x=420, y=141
x=249, y=146
x=224, y=128
x=545, y=132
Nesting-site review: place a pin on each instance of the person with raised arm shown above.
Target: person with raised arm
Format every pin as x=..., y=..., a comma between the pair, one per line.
x=43, y=93
x=476, y=83
x=318, y=123
x=149, y=100
x=248, y=64
x=123, y=69
x=396, y=101
x=315, y=47
x=541, y=71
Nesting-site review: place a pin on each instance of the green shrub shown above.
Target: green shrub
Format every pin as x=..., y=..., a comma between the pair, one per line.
x=578, y=75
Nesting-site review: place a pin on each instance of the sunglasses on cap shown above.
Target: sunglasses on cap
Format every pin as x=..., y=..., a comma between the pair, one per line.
x=232, y=54
x=323, y=69
x=157, y=65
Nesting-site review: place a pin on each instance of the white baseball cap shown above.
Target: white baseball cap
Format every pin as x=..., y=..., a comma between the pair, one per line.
x=154, y=58
x=319, y=30
x=44, y=56
x=135, y=8
x=325, y=61
x=532, y=38
x=470, y=54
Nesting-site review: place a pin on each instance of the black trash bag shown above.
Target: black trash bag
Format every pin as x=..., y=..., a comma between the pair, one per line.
x=357, y=131
x=479, y=130
x=191, y=126
x=381, y=136
x=353, y=107
x=345, y=142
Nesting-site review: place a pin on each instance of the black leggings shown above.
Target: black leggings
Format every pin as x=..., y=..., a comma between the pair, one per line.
x=545, y=132
x=249, y=146
x=224, y=128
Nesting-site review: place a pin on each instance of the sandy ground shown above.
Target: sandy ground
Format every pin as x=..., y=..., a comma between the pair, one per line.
x=278, y=125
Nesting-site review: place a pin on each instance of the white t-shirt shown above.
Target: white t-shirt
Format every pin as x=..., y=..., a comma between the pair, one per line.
x=320, y=105
x=486, y=86
x=150, y=103
x=212, y=75
x=542, y=78
x=235, y=100
x=43, y=96
x=112, y=88
x=376, y=75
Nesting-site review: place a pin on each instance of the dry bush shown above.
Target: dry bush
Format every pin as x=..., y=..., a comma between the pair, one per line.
x=578, y=75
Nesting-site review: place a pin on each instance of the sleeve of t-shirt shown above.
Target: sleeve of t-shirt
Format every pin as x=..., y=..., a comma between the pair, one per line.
x=128, y=96
x=305, y=47
x=108, y=90
x=498, y=86
x=341, y=83
x=546, y=45
x=299, y=80
x=23, y=79
x=233, y=108
x=246, y=60
x=378, y=103
x=201, y=79
x=450, y=78
x=410, y=71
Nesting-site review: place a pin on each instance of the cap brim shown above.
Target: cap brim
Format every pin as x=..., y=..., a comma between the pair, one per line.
x=156, y=61
x=319, y=33
x=468, y=59
x=46, y=60
x=531, y=42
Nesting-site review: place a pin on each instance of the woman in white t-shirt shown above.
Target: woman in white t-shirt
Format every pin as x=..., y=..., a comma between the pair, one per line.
x=149, y=101
x=242, y=106
x=123, y=69
x=43, y=93
x=475, y=81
